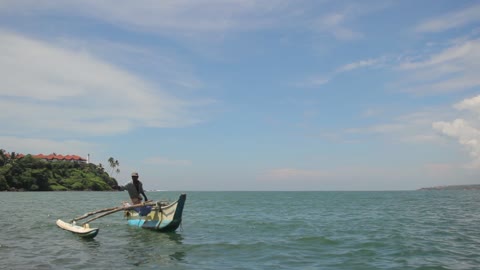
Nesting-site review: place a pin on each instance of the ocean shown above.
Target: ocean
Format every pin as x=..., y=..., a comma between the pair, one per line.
x=250, y=230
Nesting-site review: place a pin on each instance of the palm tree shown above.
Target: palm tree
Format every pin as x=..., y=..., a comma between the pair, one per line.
x=3, y=157
x=113, y=164
x=6, y=158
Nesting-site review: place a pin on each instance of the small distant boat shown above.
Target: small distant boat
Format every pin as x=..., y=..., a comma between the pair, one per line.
x=158, y=216
x=163, y=217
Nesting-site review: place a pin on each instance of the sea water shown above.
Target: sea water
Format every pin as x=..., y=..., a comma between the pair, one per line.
x=250, y=230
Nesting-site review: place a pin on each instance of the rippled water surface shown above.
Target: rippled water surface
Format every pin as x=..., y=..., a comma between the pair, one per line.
x=250, y=230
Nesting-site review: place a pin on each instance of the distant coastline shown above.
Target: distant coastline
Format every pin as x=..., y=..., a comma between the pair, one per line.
x=453, y=187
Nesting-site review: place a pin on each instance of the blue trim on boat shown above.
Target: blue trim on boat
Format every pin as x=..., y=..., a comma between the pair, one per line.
x=162, y=225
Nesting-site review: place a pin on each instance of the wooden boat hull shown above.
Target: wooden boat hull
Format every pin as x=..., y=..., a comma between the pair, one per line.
x=82, y=231
x=163, y=218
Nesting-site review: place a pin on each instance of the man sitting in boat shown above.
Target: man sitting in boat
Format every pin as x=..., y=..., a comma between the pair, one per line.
x=135, y=188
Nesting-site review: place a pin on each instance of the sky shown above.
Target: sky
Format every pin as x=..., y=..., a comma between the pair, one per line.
x=245, y=94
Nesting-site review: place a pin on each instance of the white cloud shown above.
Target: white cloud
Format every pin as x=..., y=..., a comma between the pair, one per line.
x=167, y=161
x=466, y=133
x=470, y=104
x=467, y=136
x=452, y=20
x=49, y=89
x=458, y=128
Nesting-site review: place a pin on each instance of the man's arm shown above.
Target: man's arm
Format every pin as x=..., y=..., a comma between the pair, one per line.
x=143, y=191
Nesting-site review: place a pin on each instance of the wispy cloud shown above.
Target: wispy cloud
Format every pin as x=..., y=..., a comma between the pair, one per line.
x=313, y=81
x=465, y=131
x=204, y=17
x=371, y=112
x=381, y=128
x=359, y=64
x=452, y=69
x=452, y=20
x=335, y=24
x=50, y=89
x=179, y=17
x=341, y=23
x=169, y=67
x=319, y=80
x=409, y=128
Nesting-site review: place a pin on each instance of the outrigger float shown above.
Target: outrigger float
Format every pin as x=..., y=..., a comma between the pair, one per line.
x=157, y=216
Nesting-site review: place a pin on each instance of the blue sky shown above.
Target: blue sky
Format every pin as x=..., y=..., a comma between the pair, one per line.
x=248, y=95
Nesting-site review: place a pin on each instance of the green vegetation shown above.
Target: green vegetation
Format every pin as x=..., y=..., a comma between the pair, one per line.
x=31, y=174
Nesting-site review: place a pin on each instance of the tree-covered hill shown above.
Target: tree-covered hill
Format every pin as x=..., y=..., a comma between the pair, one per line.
x=32, y=174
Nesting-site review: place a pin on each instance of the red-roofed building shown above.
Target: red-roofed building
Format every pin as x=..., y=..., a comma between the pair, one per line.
x=52, y=157
x=17, y=155
x=55, y=157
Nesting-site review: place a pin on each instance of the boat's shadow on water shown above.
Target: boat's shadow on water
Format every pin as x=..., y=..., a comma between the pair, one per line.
x=89, y=242
x=127, y=246
x=155, y=238
x=154, y=248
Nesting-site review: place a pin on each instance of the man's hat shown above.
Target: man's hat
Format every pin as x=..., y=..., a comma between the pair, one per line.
x=134, y=174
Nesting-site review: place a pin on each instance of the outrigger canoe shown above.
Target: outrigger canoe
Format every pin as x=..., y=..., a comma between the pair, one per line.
x=83, y=231
x=163, y=217
x=157, y=216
